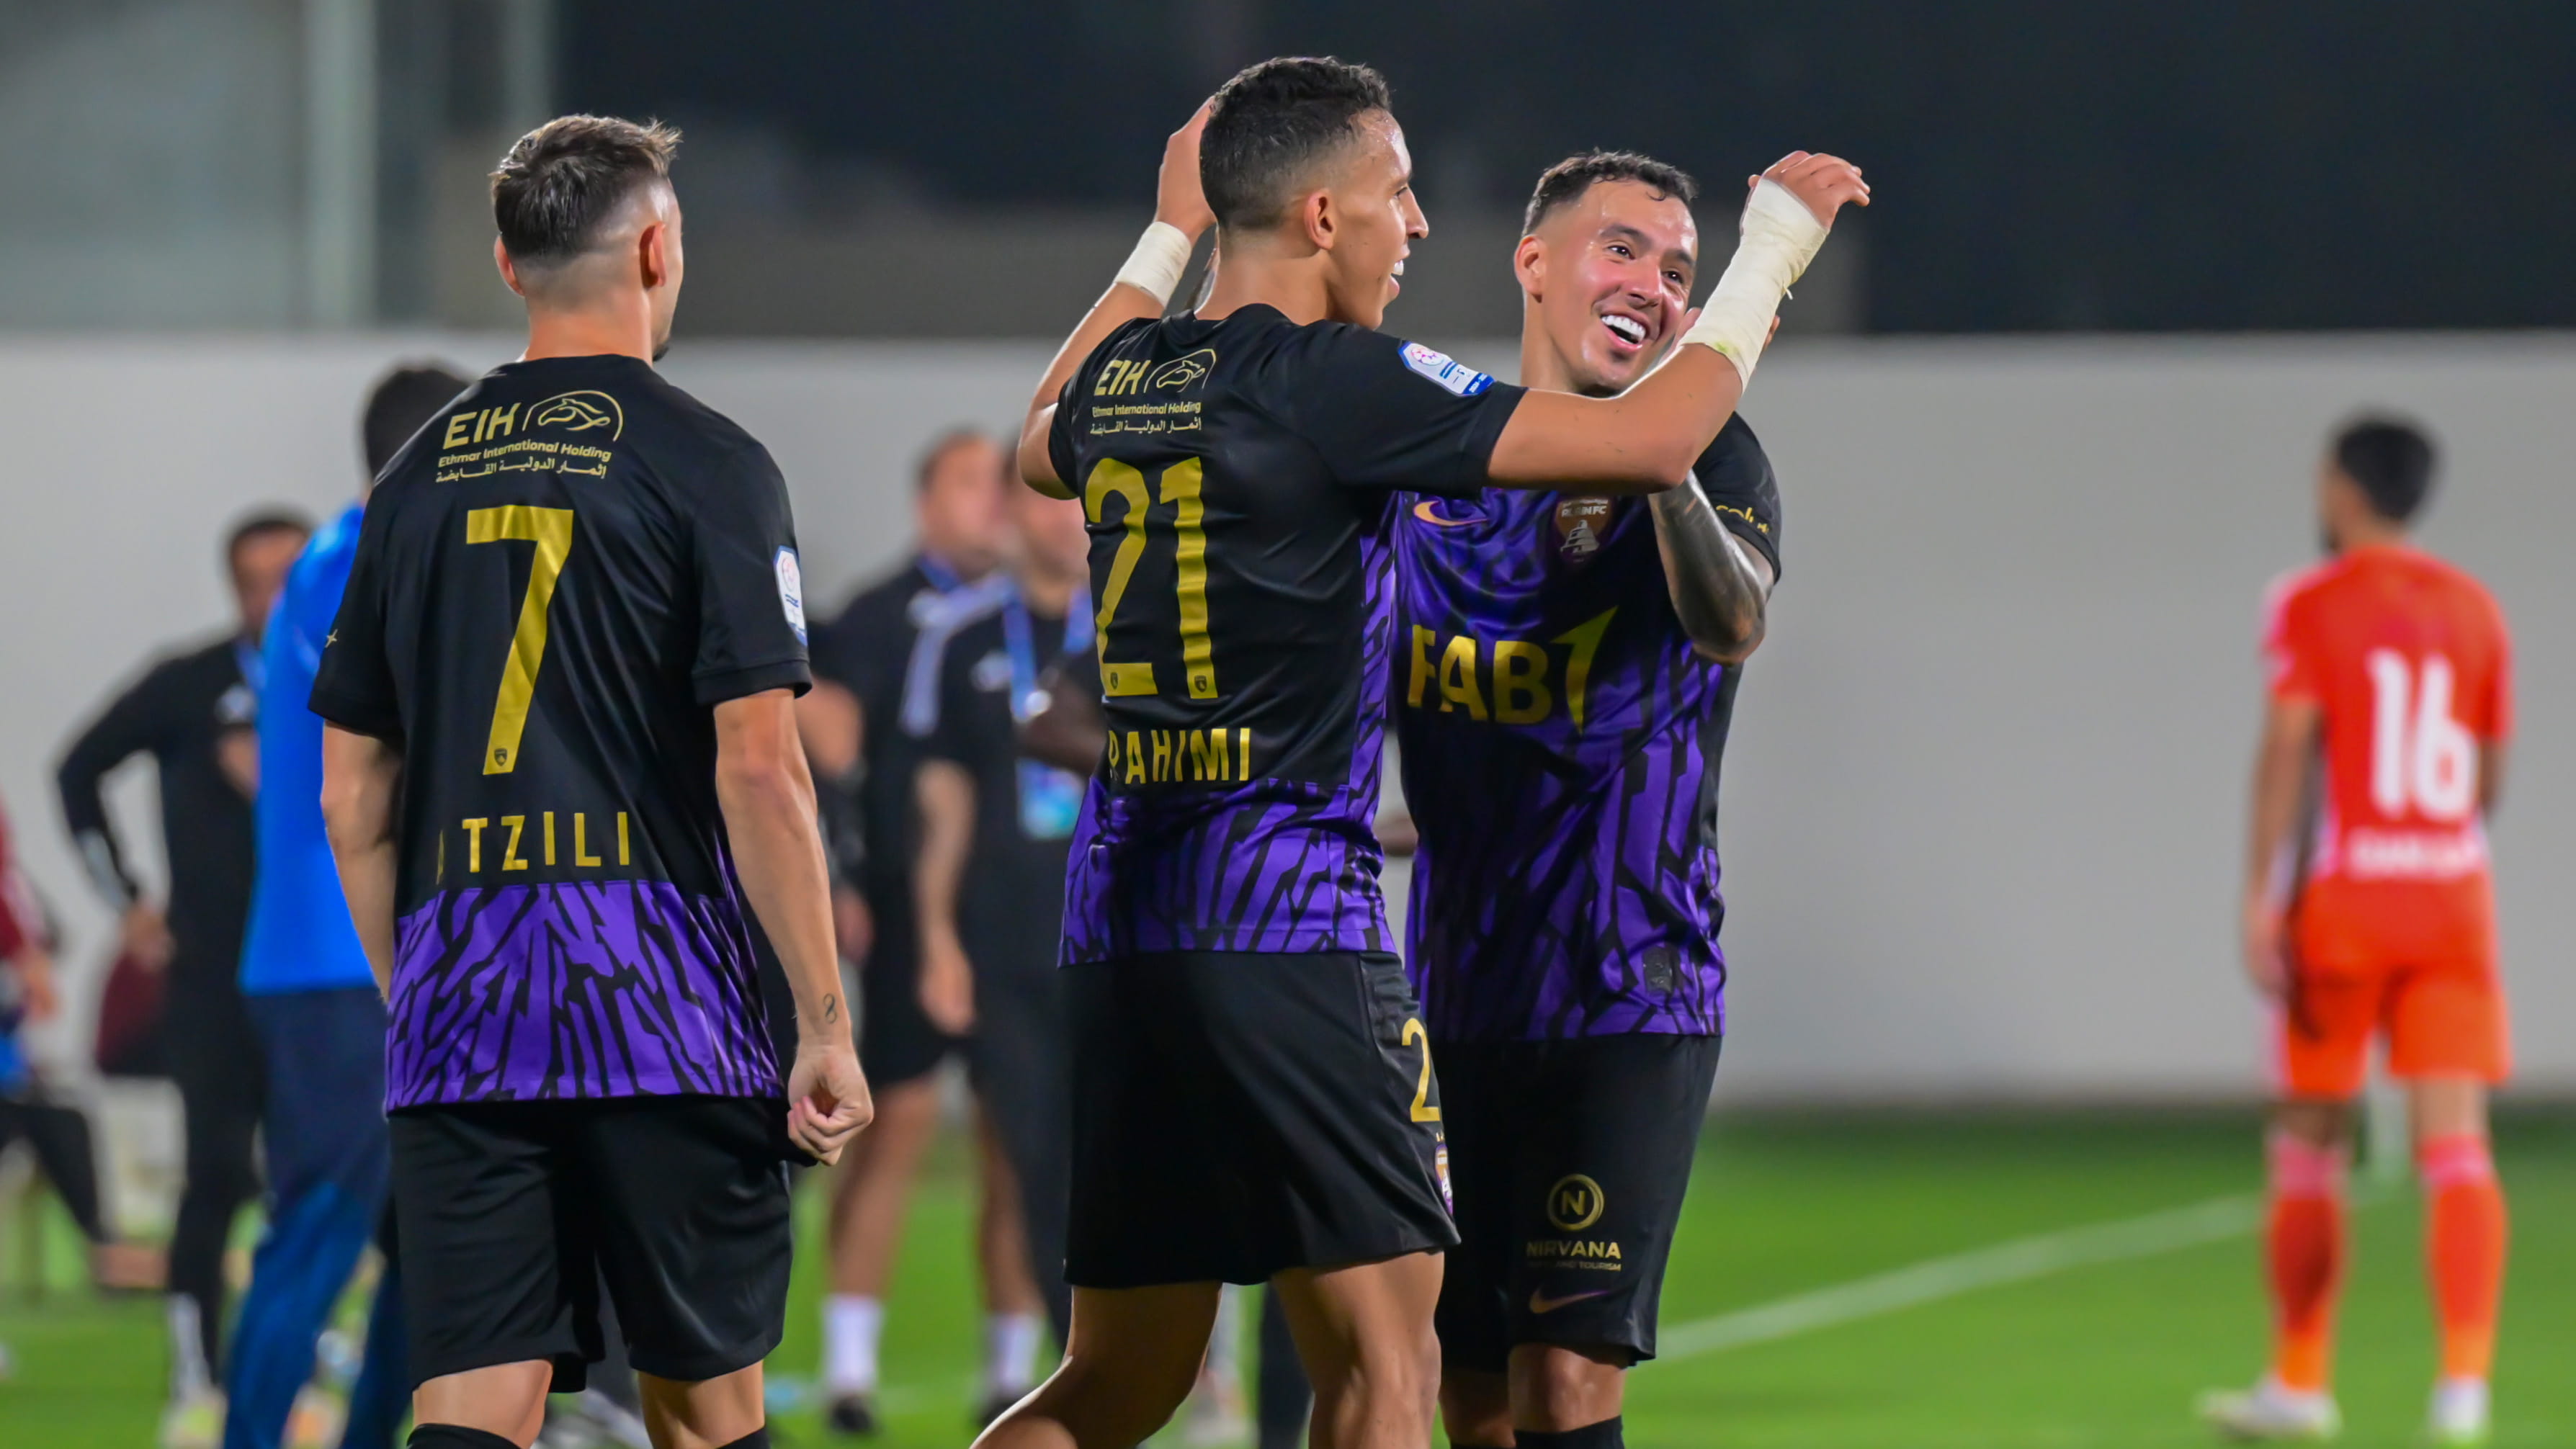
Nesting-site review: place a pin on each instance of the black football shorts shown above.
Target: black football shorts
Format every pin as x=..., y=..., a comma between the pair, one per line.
x=1237, y=1114
x=512, y=1215
x=1570, y=1158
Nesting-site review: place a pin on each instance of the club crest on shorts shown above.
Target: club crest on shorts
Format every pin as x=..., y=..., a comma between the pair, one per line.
x=1579, y=522
x=1575, y=1203
x=1440, y=1170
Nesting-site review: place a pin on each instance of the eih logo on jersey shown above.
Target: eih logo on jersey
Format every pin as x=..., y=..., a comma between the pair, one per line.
x=1183, y=372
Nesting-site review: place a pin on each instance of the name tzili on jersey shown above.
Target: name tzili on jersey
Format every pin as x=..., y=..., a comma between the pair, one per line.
x=1560, y=741
x=557, y=581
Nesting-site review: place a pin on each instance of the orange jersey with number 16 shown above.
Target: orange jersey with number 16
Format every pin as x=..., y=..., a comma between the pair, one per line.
x=2408, y=658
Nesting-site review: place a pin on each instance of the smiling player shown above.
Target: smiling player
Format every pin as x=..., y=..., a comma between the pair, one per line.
x=1565, y=670
x=1254, y=1097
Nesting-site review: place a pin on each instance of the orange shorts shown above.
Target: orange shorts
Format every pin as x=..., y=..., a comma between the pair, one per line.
x=2445, y=1020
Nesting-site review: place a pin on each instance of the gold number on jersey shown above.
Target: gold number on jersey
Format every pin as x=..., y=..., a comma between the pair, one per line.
x=1582, y=642
x=1180, y=489
x=550, y=529
x=1415, y=1035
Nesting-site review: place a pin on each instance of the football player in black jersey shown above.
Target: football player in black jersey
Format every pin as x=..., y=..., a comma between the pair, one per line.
x=1253, y=1096
x=561, y=778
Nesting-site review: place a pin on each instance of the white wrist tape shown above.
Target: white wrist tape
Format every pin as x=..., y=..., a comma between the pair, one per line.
x=1155, y=267
x=1780, y=237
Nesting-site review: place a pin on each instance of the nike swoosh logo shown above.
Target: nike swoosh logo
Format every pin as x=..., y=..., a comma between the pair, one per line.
x=1541, y=1303
x=1422, y=510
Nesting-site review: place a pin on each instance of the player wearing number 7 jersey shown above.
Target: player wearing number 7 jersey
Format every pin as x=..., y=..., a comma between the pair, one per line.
x=2380, y=919
x=562, y=773
x=1254, y=1093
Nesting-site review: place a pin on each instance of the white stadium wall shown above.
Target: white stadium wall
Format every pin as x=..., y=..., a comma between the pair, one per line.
x=1982, y=808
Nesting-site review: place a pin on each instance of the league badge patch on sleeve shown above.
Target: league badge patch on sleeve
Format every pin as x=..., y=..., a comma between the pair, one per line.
x=791, y=592
x=1445, y=370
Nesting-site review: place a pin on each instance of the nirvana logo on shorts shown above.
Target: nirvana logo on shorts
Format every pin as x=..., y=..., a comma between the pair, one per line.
x=1578, y=526
x=1575, y=1203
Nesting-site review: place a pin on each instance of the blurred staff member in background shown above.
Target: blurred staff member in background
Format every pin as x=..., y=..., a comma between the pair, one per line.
x=194, y=712
x=855, y=732
x=59, y=1133
x=319, y=1016
x=989, y=889
x=2390, y=681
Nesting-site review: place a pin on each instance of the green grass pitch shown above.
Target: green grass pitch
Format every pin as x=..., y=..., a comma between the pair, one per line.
x=2106, y=1356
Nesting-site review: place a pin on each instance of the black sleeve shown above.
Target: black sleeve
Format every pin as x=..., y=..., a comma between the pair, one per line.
x=751, y=591
x=135, y=721
x=1385, y=413
x=1736, y=475
x=353, y=681
x=958, y=735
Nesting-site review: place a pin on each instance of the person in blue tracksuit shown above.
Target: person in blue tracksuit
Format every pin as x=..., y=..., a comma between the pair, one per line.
x=314, y=1004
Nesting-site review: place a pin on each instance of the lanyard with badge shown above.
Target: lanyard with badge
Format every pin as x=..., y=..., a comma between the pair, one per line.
x=1050, y=799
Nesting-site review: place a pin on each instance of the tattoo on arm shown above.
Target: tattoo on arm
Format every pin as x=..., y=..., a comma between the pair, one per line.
x=1720, y=586
x=831, y=1010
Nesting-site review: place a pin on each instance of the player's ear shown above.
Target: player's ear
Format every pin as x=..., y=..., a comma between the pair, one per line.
x=652, y=254
x=509, y=273
x=1316, y=216
x=1529, y=263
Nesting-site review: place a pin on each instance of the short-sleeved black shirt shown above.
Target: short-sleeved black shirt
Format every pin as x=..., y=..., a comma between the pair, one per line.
x=557, y=580
x=1024, y=810
x=1237, y=476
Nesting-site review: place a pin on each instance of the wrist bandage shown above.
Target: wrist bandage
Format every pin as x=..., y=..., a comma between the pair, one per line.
x=1780, y=237
x=1155, y=267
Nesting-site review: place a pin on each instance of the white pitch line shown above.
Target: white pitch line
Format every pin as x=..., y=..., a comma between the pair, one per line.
x=1937, y=1278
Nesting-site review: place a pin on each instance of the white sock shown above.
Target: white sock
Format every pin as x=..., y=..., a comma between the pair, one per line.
x=2460, y=1398
x=1011, y=1351
x=851, y=1324
x=190, y=1375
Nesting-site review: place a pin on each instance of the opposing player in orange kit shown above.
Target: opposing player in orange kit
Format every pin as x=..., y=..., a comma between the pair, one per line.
x=2390, y=683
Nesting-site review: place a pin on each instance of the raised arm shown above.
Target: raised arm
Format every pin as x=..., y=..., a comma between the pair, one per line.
x=1143, y=288
x=1645, y=439
x=1720, y=586
x=767, y=795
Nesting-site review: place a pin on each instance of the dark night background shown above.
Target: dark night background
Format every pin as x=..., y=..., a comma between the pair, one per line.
x=2195, y=165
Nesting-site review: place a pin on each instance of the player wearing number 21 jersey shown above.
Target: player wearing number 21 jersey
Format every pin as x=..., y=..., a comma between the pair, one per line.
x=2390, y=678
x=1253, y=1090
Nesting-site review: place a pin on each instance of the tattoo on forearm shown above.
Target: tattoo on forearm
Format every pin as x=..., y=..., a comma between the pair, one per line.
x=1716, y=589
x=831, y=1010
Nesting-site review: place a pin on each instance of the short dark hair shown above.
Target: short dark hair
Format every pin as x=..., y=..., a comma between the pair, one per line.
x=566, y=177
x=1269, y=125
x=259, y=523
x=400, y=402
x=2390, y=460
x=1564, y=183
x=937, y=453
